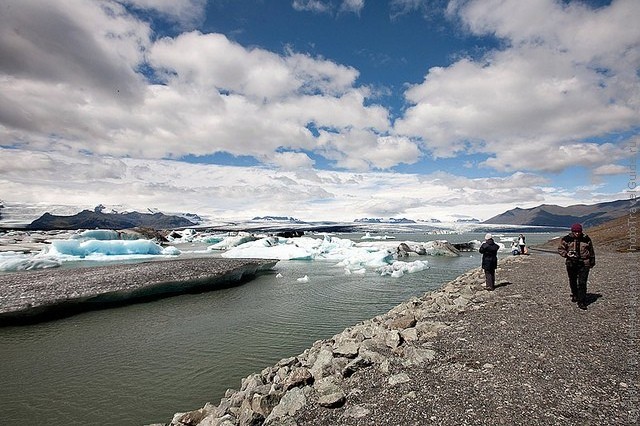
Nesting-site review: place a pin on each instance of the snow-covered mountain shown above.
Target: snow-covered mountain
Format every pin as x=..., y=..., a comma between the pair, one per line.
x=20, y=215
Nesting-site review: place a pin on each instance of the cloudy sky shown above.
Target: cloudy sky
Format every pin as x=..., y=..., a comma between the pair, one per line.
x=318, y=109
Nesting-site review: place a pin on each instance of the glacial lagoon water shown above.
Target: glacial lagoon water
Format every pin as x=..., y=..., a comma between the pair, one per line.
x=140, y=364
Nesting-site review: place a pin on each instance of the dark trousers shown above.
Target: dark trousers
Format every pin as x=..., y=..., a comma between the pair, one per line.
x=490, y=277
x=578, y=281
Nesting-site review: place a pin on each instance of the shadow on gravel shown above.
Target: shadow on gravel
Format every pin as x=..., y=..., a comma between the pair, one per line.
x=592, y=297
x=503, y=284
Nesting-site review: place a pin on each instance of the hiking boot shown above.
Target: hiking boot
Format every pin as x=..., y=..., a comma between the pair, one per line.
x=489, y=288
x=574, y=299
x=582, y=306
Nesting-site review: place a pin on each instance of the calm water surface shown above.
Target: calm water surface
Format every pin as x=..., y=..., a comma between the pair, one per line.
x=140, y=364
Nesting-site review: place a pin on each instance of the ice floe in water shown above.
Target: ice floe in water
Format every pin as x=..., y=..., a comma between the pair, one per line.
x=79, y=248
x=105, y=245
x=13, y=261
x=344, y=252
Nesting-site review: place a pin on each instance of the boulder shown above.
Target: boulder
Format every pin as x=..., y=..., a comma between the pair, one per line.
x=299, y=377
x=393, y=339
x=348, y=348
x=289, y=405
x=330, y=394
x=322, y=363
x=355, y=365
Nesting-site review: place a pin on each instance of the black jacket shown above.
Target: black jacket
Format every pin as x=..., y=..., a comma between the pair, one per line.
x=489, y=251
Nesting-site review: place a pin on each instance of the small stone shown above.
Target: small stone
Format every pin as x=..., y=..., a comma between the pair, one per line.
x=356, y=412
x=399, y=379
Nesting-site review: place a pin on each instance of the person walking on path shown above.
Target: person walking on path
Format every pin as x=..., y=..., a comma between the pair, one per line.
x=489, y=250
x=577, y=249
x=522, y=243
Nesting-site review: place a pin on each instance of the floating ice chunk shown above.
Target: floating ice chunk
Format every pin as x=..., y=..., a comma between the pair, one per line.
x=368, y=236
x=233, y=241
x=279, y=275
x=170, y=251
x=343, y=251
x=13, y=262
x=304, y=279
x=262, y=249
x=109, y=248
x=399, y=268
x=361, y=271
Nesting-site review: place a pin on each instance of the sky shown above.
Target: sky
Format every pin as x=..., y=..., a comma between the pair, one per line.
x=319, y=109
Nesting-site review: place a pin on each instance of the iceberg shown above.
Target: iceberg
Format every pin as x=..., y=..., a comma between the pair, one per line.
x=233, y=241
x=399, y=268
x=368, y=236
x=109, y=248
x=343, y=251
x=14, y=262
x=192, y=236
x=74, y=249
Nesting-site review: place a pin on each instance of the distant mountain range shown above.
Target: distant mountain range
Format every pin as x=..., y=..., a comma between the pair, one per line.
x=562, y=217
x=276, y=219
x=381, y=220
x=87, y=219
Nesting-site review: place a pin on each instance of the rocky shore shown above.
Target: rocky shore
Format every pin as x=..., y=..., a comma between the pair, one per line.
x=522, y=354
x=31, y=296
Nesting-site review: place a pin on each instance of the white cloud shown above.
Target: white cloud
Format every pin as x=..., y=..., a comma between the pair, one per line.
x=291, y=160
x=70, y=83
x=217, y=96
x=363, y=150
x=611, y=169
x=242, y=192
x=319, y=6
x=86, y=47
x=187, y=13
x=354, y=6
x=316, y=6
x=554, y=157
x=555, y=85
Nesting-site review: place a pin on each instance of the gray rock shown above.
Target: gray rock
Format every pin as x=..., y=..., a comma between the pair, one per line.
x=264, y=404
x=355, y=365
x=393, y=339
x=251, y=382
x=330, y=394
x=347, y=348
x=397, y=379
x=299, y=377
x=322, y=363
x=409, y=334
x=289, y=405
x=416, y=356
x=248, y=417
x=356, y=412
x=226, y=420
x=402, y=322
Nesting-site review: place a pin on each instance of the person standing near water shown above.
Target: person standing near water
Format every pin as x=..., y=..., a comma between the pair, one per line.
x=522, y=243
x=577, y=249
x=489, y=250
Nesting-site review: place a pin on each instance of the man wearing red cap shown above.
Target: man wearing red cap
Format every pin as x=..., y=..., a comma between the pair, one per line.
x=578, y=251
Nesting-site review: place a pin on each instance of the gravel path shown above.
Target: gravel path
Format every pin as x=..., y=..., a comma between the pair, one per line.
x=523, y=355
